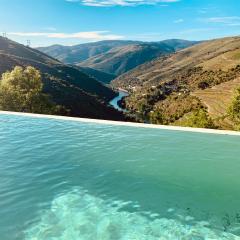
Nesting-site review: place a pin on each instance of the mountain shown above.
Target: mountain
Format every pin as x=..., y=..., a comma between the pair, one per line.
x=122, y=59
x=84, y=96
x=78, y=53
x=115, y=57
x=171, y=88
x=100, y=76
x=178, y=44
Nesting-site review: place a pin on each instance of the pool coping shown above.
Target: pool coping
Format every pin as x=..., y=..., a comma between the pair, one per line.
x=130, y=124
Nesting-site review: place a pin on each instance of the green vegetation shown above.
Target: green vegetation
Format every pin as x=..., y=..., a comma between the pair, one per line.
x=198, y=119
x=100, y=76
x=176, y=87
x=157, y=117
x=81, y=95
x=234, y=109
x=173, y=108
x=21, y=91
x=168, y=102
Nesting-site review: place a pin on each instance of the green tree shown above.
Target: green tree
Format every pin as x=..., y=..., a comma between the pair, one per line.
x=199, y=119
x=234, y=109
x=21, y=91
x=157, y=117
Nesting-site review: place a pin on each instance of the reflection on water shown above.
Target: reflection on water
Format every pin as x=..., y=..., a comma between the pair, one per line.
x=78, y=215
x=140, y=183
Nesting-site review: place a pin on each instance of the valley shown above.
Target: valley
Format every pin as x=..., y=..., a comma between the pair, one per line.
x=174, y=87
x=116, y=101
x=119, y=120
x=168, y=82
x=80, y=94
x=115, y=57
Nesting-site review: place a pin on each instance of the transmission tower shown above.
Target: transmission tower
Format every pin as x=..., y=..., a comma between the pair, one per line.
x=4, y=34
x=28, y=43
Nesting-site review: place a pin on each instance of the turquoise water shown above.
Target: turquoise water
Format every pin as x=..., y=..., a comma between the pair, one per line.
x=66, y=180
x=114, y=102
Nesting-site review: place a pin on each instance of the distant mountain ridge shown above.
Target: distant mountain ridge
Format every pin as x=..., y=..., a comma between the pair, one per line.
x=115, y=57
x=122, y=59
x=84, y=96
x=81, y=52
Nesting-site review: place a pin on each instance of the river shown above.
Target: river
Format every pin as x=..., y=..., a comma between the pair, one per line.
x=114, y=102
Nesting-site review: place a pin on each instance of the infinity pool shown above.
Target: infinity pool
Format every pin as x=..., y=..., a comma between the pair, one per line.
x=70, y=180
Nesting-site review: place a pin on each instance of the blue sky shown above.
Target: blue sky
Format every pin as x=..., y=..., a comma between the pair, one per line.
x=70, y=22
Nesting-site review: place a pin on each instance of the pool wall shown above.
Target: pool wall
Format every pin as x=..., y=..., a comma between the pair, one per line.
x=130, y=124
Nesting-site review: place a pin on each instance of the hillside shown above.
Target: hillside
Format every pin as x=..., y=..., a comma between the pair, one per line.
x=115, y=57
x=78, y=53
x=122, y=59
x=100, y=76
x=172, y=87
x=217, y=99
x=81, y=94
x=179, y=44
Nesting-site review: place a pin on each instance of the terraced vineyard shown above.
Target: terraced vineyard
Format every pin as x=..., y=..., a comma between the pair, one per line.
x=193, y=84
x=217, y=99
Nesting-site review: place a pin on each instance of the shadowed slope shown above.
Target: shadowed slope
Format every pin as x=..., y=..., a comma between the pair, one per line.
x=81, y=94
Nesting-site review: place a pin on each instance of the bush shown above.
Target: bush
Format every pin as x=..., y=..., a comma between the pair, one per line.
x=234, y=109
x=157, y=117
x=203, y=85
x=199, y=119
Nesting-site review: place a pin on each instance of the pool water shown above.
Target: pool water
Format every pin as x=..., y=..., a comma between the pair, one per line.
x=67, y=180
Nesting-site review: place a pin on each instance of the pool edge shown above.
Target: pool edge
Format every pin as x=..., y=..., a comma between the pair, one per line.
x=130, y=124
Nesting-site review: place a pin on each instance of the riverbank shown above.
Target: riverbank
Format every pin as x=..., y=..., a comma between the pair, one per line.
x=115, y=102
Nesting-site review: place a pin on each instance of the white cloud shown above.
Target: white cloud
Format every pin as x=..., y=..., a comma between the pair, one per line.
x=196, y=30
x=91, y=36
x=110, y=3
x=203, y=11
x=179, y=20
x=230, y=21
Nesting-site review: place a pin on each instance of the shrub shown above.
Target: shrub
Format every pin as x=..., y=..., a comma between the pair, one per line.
x=199, y=119
x=157, y=117
x=234, y=109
